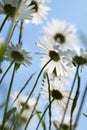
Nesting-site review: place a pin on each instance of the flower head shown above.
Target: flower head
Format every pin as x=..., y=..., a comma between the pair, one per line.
x=62, y=33
x=15, y=53
x=40, y=11
x=11, y=7
x=57, y=92
x=58, y=63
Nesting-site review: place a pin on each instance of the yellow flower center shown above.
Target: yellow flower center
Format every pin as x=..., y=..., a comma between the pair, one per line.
x=64, y=127
x=56, y=94
x=35, y=5
x=9, y=10
x=17, y=56
x=54, y=56
x=59, y=38
x=79, y=60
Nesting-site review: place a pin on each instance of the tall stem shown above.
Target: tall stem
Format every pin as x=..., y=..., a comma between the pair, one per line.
x=70, y=94
x=3, y=23
x=6, y=72
x=43, y=114
x=7, y=100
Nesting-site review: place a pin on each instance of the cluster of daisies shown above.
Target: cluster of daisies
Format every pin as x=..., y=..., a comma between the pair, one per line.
x=59, y=58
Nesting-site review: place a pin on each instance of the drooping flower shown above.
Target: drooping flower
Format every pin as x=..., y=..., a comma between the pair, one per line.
x=62, y=33
x=12, y=8
x=40, y=11
x=15, y=53
x=58, y=93
x=58, y=63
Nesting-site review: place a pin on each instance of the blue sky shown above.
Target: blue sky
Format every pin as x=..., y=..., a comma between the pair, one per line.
x=73, y=11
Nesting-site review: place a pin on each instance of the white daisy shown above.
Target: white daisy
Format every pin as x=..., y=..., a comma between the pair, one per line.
x=64, y=126
x=40, y=12
x=62, y=33
x=20, y=102
x=58, y=63
x=80, y=59
x=58, y=93
x=15, y=53
x=9, y=8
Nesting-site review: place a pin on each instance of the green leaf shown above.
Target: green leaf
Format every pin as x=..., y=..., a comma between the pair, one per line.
x=10, y=112
x=85, y=114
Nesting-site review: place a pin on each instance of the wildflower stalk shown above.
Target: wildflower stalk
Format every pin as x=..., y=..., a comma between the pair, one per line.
x=44, y=113
x=80, y=108
x=31, y=92
x=32, y=113
x=49, y=102
x=20, y=34
x=11, y=31
x=7, y=99
x=6, y=72
x=3, y=23
x=77, y=69
x=24, y=86
x=75, y=101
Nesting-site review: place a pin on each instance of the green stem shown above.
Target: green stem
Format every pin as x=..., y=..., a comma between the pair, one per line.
x=3, y=23
x=22, y=89
x=6, y=72
x=49, y=102
x=75, y=101
x=70, y=95
x=7, y=100
x=80, y=108
x=10, y=33
x=31, y=91
x=43, y=114
x=32, y=113
x=20, y=34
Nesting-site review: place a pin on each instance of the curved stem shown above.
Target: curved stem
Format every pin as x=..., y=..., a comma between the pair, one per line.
x=80, y=108
x=11, y=31
x=21, y=31
x=70, y=94
x=49, y=102
x=7, y=99
x=37, y=80
x=31, y=91
x=43, y=114
x=6, y=72
x=3, y=23
x=32, y=113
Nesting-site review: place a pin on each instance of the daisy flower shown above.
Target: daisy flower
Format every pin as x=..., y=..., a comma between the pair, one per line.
x=58, y=93
x=40, y=12
x=62, y=33
x=15, y=53
x=64, y=126
x=58, y=63
x=9, y=8
x=20, y=103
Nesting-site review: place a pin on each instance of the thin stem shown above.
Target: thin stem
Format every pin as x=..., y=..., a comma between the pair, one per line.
x=20, y=34
x=31, y=92
x=6, y=72
x=43, y=114
x=37, y=81
x=11, y=31
x=80, y=108
x=70, y=94
x=49, y=102
x=32, y=113
x=3, y=23
x=22, y=89
x=75, y=101
x=7, y=99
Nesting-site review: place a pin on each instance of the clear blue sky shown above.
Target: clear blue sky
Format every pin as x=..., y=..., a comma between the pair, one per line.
x=73, y=11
